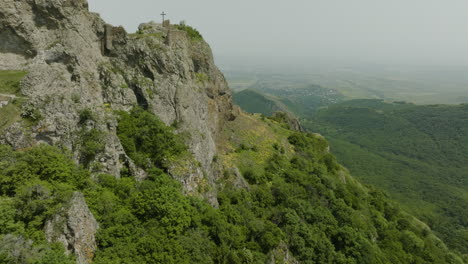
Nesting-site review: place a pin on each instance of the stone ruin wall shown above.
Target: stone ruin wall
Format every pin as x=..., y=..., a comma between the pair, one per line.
x=112, y=35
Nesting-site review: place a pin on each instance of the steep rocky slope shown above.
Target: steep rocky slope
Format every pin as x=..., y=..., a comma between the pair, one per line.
x=80, y=69
x=76, y=63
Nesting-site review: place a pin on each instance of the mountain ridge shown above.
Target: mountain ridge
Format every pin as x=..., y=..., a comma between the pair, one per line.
x=127, y=148
x=84, y=61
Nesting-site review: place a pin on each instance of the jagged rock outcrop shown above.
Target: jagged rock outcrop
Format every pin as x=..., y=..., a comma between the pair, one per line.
x=179, y=82
x=77, y=62
x=74, y=227
x=60, y=48
x=81, y=69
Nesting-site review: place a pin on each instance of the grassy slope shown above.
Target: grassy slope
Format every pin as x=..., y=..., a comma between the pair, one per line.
x=251, y=148
x=10, y=84
x=9, y=114
x=255, y=102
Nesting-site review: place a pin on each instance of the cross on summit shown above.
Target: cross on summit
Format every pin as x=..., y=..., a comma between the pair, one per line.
x=163, y=15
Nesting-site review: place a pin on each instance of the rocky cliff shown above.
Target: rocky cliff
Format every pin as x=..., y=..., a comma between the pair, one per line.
x=80, y=69
x=80, y=66
x=282, y=196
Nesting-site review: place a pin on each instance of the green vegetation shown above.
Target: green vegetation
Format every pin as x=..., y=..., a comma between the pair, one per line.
x=192, y=32
x=33, y=186
x=201, y=78
x=417, y=153
x=91, y=139
x=305, y=101
x=86, y=115
x=10, y=114
x=10, y=82
x=255, y=102
x=92, y=143
x=31, y=114
x=250, y=149
x=76, y=98
x=147, y=140
x=10, y=85
x=302, y=199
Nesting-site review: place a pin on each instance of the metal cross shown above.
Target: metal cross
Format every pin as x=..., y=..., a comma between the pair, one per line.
x=163, y=15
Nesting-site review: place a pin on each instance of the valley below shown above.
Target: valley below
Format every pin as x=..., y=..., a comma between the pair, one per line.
x=417, y=153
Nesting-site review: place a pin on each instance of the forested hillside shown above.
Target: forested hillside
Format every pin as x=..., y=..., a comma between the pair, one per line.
x=301, y=201
x=419, y=154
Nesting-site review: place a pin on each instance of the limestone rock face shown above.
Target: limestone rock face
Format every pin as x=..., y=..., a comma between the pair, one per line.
x=76, y=62
x=59, y=44
x=178, y=81
x=75, y=227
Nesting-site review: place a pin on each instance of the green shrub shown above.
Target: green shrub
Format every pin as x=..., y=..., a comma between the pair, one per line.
x=192, y=32
x=147, y=140
x=31, y=114
x=92, y=143
x=34, y=185
x=85, y=115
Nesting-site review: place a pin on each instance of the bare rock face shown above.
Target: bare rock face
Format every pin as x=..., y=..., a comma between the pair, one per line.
x=178, y=81
x=75, y=227
x=76, y=62
x=58, y=42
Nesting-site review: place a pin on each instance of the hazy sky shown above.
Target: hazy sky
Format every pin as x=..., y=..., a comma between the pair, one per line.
x=396, y=31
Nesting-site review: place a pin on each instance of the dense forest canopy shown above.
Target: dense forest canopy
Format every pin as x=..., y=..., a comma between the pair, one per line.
x=417, y=153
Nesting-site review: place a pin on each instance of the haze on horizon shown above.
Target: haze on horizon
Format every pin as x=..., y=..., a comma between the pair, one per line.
x=373, y=31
